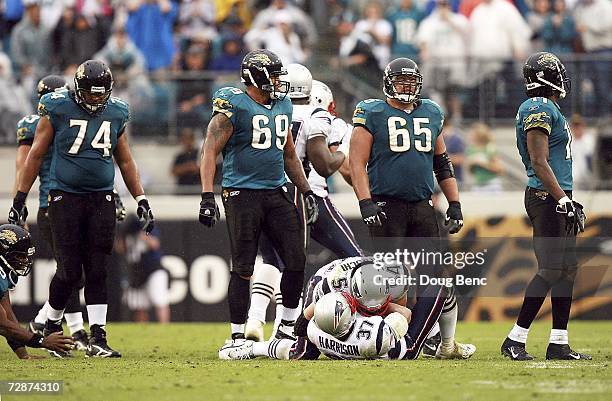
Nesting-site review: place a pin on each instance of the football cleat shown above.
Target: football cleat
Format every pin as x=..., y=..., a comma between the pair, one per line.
x=565, y=353
x=455, y=351
x=81, y=340
x=97, y=346
x=237, y=350
x=54, y=327
x=36, y=328
x=430, y=346
x=515, y=350
x=254, y=330
x=285, y=331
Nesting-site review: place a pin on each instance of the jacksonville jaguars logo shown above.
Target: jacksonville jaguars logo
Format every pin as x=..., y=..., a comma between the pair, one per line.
x=264, y=59
x=547, y=59
x=80, y=73
x=8, y=236
x=221, y=103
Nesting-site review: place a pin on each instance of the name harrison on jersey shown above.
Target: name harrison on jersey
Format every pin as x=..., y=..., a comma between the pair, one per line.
x=338, y=347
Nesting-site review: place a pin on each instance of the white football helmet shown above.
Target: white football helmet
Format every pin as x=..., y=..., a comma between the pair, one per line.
x=335, y=313
x=374, y=287
x=300, y=81
x=321, y=96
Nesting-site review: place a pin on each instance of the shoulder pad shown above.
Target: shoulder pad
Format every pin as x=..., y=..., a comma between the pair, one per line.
x=431, y=105
x=224, y=100
x=51, y=101
x=26, y=127
x=121, y=105
x=366, y=107
x=537, y=113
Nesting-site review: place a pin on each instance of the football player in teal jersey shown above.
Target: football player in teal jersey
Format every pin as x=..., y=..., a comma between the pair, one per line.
x=87, y=130
x=252, y=129
x=543, y=139
x=16, y=259
x=396, y=149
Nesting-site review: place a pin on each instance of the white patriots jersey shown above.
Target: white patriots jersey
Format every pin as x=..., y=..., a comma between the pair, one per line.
x=370, y=338
x=338, y=271
x=341, y=132
x=308, y=122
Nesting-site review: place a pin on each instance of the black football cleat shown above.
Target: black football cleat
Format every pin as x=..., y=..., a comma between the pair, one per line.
x=430, y=346
x=36, y=328
x=563, y=352
x=81, y=340
x=285, y=331
x=515, y=350
x=98, y=347
x=55, y=327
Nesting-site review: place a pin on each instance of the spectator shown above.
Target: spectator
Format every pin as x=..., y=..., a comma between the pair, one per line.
x=376, y=32
x=442, y=38
x=594, y=23
x=280, y=39
x=148, y=281
x=455, y=147
x=559, y=30
x=482, y=161
x=75, y=39
x=193, y=92
x=356, y=53
x=232, y=11
x=231, y=57
x=583, y=146
x=14, y=102
x=197, y=17
x=405, y=21
x=185, y=168
x=150, y=25
x=536, y=20
x=303, y=24
x=30, y=45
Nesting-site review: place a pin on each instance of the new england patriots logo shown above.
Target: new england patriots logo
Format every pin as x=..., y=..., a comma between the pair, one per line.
x=338, y=313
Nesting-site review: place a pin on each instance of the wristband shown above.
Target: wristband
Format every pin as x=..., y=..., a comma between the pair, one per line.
x=20, y=197
x=208, y=196
x=140, y=198
x=36, y=341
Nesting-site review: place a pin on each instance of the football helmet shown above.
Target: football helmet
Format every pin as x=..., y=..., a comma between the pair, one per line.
x=49, y=84
x=545, y=75
x=335, y=313
x=321, y=96
x=262, y=69
x=369, y=290
x=300, y=81
x=16, y=251
x=402, y=80
x=93, y=84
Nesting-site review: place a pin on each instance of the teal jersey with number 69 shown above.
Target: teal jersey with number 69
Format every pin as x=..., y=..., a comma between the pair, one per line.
x=401, y=159
x=26, y=128
x=83, y=145
x=544, y=114
x=253, y=156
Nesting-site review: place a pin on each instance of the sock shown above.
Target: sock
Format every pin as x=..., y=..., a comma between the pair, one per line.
x=291, y=286
x=448, y=324
x=558, y=336
x=74, y=321
x=279, y=309
x=237, y=328
x=561, y=300
x=41, y=317
x=435, y=330
x=96, y=314
x=238, y=297
x=275, y=349
x=518, y=334
x=534, y=298
x=265, y=279
x=55, y=315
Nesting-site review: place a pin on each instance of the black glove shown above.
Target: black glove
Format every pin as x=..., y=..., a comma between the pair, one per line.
x=145, y=216
x=580, y=218
x=371, y=213
x=120, y=212
x=209, y=211
x=19, y=211
x=454, y=217
x=574, y=214
x=312, y=210
x=301, y=326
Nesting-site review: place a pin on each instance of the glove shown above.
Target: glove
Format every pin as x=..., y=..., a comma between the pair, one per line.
x=574, y=214
x=454, y=217
x=301, y=326
x=120, y=211
x=19, y=211
x=145, y=216
x=580, y=218
x=312, y=210
x=371, y=213
x=209, y=211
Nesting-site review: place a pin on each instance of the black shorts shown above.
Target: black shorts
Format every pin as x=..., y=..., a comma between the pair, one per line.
x=44, y=225
x=554, y=245
x=406, y=219
x=249, y=212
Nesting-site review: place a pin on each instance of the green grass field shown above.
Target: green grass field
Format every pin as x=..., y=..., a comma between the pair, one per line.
x=179, y=362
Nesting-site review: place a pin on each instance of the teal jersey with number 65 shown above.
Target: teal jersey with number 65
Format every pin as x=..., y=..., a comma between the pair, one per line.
x=83, y=145
x=401, y=159
x=253, y=156
x=543, y=114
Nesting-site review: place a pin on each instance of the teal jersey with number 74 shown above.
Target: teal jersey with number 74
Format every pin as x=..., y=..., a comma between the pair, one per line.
x=83, y=145
x=401, y=159
x=253, y=156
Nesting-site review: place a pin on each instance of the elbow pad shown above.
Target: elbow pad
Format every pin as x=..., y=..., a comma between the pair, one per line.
x=442, y=166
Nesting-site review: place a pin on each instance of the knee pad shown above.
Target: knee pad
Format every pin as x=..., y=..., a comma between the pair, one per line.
x=244, y=270
x=552, y=276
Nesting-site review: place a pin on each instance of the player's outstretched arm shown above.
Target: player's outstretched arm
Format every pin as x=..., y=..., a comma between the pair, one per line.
x=40, y=146
x=359, y=154
x=219, y=131
x=537, y=146
x=324, y=161
x=294, y=168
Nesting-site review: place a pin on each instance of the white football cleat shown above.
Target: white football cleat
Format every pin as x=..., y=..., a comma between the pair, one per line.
x=254, y=330
x=237, y=350
x=455, y=351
